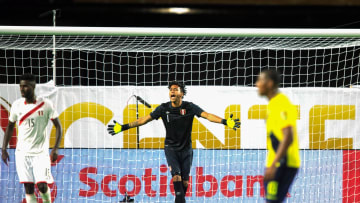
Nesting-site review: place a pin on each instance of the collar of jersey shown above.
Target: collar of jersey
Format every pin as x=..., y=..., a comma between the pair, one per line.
x=176, y=107
x=30, y=103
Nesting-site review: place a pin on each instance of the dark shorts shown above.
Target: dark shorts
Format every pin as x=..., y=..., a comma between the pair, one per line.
x=179, y=161
x=276, y=190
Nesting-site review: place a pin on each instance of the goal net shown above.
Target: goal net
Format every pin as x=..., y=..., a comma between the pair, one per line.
x=97, y=75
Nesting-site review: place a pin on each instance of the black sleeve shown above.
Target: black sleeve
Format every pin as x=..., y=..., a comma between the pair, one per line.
x=196, y=109
x=156, y=114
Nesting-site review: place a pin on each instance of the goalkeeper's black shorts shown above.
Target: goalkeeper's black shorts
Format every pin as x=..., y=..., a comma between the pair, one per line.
x=179, y=161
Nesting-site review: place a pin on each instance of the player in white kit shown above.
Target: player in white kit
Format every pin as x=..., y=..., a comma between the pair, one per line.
x=32, y=114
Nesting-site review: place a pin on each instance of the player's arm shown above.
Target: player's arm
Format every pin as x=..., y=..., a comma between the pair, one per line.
x=117, y=127
x=284, y=144
x=54, y=152
x=216, y=119
x=7, y=136
x=211, y=117
x=281, y=151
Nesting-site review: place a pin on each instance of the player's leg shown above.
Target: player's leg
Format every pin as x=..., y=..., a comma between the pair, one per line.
x=186, y=163
x=24, y=171
x=185, y=186
x=42, y=176
x=277, y=189
x=172, y=160
x=44, y=192
x=30, y=193
x=271, y=191
x=285, y=181
x=272, y=187
x=179, y=191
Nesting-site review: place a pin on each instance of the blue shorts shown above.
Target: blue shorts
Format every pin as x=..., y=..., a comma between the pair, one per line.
x=276, y=190
x=179, y=161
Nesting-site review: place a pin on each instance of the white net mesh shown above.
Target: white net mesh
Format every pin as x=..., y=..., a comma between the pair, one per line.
x=98, y=76
x=172, y=44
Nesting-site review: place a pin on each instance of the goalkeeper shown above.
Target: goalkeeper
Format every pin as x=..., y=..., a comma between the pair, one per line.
x=177, y=116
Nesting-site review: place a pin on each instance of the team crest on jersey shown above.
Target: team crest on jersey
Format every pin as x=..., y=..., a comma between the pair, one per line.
x=283, y=115
x=183, y=112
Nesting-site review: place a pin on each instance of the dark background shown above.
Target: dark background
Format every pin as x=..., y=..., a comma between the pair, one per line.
x=307, y=68
x=204, y=13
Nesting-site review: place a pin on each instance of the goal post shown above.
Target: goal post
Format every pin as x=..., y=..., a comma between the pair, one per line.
x=178, y=32
x=101, y=73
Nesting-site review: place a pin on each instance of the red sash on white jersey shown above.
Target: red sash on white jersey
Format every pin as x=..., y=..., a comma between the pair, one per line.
x=31, y=112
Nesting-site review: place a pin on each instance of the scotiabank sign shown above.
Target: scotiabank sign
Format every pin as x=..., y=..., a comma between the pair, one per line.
x=147, y=178
x=104, y=175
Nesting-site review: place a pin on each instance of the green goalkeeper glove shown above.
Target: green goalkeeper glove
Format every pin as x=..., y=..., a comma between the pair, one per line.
x=117, y=128
x=231, y=123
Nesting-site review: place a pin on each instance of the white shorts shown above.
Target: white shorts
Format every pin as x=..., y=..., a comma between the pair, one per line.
x=33, y=169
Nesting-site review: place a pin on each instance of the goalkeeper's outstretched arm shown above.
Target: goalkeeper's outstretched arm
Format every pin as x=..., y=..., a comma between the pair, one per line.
x=230, y=122
x=117, y=127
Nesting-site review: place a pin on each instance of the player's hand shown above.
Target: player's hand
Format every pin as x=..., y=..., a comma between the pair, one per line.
x=270, y=173
x=233, y=123
x=5, y=156
x=114, y=129
x=53, y=155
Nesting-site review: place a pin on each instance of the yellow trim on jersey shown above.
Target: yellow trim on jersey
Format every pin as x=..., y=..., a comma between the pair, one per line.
x=281, y=113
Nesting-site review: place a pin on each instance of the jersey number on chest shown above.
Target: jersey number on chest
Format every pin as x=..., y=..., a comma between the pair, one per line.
x=31, y=122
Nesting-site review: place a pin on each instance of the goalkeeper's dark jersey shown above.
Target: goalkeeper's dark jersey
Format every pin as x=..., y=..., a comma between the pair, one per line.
x=178, y=123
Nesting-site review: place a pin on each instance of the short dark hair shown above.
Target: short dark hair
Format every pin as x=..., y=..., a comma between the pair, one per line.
x=180, y=84
x=273, y=75
x=28, y=76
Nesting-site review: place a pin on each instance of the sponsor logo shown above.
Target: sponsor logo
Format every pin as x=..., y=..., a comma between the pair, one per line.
x=200, y=184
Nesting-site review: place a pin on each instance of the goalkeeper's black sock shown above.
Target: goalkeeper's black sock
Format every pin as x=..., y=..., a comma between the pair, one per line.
x=179, y=192
x=185, y=189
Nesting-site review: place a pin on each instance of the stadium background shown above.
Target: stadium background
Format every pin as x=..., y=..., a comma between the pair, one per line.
x=274, y=14
x=202, y=13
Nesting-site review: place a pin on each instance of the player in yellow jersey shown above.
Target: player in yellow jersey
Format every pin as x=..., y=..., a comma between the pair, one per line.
x=283, y=159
